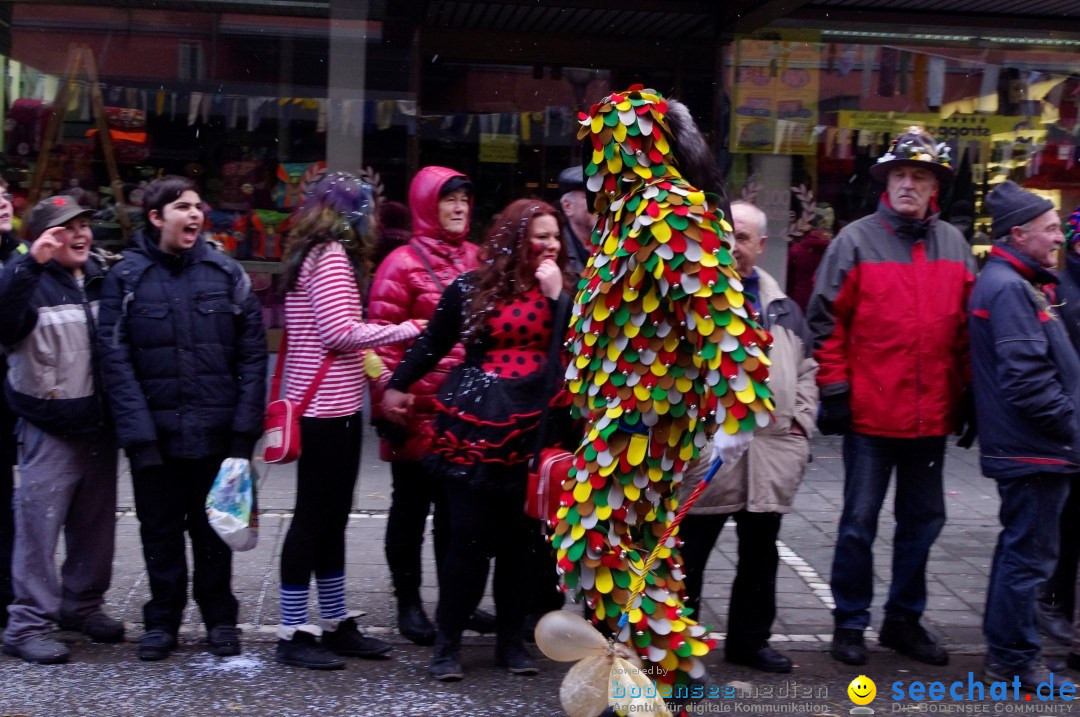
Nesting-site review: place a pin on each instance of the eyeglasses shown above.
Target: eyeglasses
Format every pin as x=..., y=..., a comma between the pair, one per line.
x=1055, y=230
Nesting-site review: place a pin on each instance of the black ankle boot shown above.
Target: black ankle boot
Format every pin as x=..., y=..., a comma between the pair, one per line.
x=511, y=653
x=848, y=646
x=414, y=625
x=302, y=650
x=348, y=641
x=446, y=661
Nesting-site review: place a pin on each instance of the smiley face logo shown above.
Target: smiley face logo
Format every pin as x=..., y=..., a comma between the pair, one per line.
x=862, y=690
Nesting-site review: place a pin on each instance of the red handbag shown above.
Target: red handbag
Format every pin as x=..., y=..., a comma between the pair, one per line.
x=549, y=467
x=281, y=427
x=545, y=486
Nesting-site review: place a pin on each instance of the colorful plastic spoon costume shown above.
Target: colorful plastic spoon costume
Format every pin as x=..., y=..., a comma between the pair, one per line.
x=664, y=352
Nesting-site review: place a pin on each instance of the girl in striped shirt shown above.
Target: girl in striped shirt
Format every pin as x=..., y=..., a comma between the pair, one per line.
x=326, y=265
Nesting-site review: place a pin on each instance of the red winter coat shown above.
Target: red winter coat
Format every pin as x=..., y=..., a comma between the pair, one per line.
x=404, y=289
x=889, y=322
x=804, y=257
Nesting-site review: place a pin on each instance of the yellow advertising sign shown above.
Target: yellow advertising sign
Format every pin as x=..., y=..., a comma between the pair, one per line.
x=775, y=94
x=498, y=148
x=983, y=128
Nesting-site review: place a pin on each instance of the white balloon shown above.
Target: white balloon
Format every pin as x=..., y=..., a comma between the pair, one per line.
x=584, y=690
x=566, y=636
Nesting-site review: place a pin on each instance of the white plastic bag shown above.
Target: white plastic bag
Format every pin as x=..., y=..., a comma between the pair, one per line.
x=231, y=507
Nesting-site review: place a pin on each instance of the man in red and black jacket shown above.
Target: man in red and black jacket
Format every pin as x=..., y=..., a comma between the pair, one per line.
x=888, y=321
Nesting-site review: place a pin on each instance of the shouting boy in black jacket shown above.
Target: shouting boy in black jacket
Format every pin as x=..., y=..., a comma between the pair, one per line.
x=182, y=335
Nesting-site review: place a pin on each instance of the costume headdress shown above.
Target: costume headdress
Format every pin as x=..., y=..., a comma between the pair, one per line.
x=917, y=148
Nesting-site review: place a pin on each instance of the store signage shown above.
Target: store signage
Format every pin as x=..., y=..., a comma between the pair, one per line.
x=775, y=94
x=984, y=128
x=499, y=148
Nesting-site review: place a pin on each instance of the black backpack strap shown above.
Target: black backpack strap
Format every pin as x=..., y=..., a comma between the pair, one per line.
x=131, y=268
x=241, y=282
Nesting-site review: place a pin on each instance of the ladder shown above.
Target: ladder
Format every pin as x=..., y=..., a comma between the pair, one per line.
x=80, y=57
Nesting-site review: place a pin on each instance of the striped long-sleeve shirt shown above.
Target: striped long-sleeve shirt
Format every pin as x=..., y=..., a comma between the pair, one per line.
x=323, y=314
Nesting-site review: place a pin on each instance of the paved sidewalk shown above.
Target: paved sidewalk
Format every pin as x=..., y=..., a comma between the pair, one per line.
x=108, y=679
x=958, y=570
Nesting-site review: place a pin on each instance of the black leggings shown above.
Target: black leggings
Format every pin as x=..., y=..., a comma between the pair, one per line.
x=485, y=525
x=415, y=490
x=325, y=478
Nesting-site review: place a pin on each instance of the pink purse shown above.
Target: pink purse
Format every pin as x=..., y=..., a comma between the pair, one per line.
x=281, y=428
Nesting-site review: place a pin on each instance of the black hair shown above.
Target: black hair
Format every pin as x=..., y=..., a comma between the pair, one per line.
x=162, y=191
x=692, y=154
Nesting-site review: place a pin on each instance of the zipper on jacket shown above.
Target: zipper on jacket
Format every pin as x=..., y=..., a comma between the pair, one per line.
x=918, y=334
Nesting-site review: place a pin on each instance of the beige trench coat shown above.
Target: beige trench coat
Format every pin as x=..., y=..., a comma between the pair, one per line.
x=765, y=479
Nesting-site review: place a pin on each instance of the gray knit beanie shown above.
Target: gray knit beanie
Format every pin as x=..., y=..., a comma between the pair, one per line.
x=1010, y=206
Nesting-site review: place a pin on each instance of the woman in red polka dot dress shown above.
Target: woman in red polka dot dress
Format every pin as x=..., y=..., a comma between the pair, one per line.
x=490, y=407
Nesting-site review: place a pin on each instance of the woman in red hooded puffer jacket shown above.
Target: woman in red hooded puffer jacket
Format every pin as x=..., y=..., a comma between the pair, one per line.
x=408, y=285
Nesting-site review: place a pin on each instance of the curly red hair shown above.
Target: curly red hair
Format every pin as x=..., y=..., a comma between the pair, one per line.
x=508, y=256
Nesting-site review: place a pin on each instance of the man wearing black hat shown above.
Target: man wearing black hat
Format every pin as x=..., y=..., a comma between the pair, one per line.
x=67, y=453
x=1027, y=394
x=578, y=220
x=888, y=321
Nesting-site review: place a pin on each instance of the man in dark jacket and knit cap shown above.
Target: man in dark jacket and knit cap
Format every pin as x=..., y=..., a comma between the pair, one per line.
x=1027, y=395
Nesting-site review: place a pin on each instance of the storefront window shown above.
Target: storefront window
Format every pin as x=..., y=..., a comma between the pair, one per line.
x=811, y=111
x=255, y=107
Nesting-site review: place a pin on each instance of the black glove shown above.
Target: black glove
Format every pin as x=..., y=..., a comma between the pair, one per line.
x=390, y=431
x=835, y=415
x=966, y=425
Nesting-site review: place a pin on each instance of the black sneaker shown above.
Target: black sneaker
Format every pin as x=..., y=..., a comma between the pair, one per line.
x=908, y=637
x=348, y=641
x=224, y=640
x=304, y=651
x=39, y=649
x=516, y=658
x=156, y=644
x=98, y=626
x=848, y=646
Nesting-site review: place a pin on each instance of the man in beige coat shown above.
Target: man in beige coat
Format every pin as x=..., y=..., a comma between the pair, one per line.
x=758, y=488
